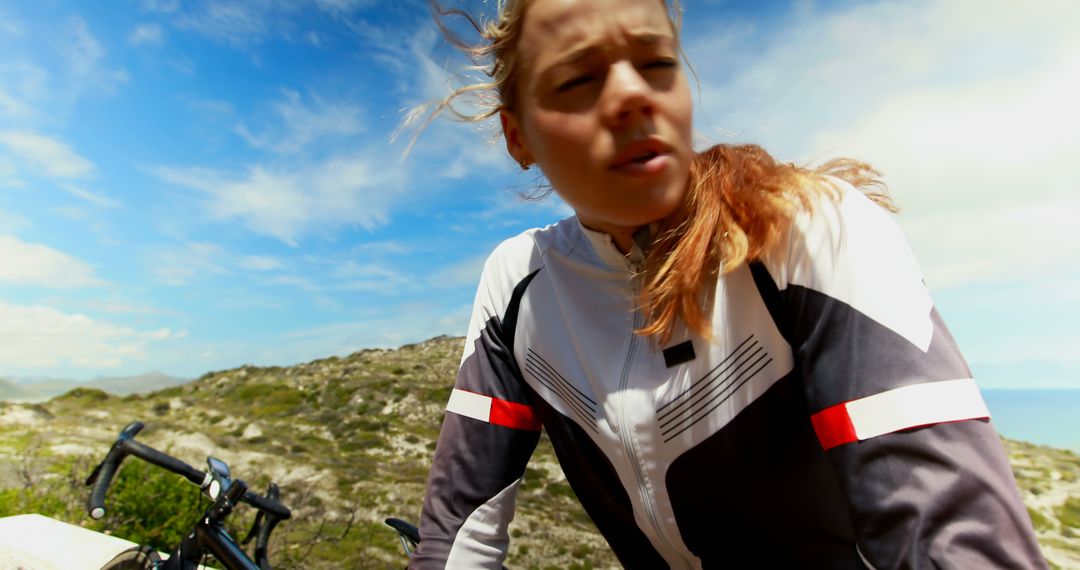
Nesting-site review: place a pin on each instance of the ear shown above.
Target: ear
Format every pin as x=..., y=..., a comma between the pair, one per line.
x=515, y=139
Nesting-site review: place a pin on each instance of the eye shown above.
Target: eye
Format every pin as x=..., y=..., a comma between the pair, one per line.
x=575, y=82
x=661, y=63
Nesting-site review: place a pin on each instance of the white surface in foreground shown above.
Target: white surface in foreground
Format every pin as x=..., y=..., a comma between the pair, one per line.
x=36, y=542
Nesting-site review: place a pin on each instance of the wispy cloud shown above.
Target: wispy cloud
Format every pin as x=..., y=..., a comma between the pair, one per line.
x=193, y=261
x=460, y=274
x=343, y=6
x=391, y=328
x=997, y=242
x=122, y=306
x=259, y=263
x=9, y=175
x=49, y=156
x=48, y=67
x=88, y=196
x=353, y=190
x=460, y=150
x=24, y=82
x=10, y=222
x=161, y=6
x=831, y=66
x=9, y=26
x=236, y=24
x=39, y=337
x=245, y=24
x=86, y=57
x=146, y=34
x=972, y=119
x=344, y=276
x=12, y=107
x=42, y=266
x=298, y=124
x=371, y=276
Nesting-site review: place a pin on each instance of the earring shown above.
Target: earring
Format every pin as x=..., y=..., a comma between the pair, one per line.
x=524, y=163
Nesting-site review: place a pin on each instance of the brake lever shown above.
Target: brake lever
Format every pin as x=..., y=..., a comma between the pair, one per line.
x=256, y=528
x=94, y=474
x=129, y=432
x=262, y=545
x=262, y=557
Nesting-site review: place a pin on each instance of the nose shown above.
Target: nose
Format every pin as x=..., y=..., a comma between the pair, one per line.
x=627, y=96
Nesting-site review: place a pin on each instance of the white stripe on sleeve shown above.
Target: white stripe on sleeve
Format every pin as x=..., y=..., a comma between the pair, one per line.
x=470, y=405
x=916, y=405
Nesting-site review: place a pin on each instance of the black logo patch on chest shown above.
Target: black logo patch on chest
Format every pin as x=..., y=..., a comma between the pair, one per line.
x=678, y=354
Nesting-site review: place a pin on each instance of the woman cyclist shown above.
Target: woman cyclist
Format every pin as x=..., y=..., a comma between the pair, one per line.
x=736, y=360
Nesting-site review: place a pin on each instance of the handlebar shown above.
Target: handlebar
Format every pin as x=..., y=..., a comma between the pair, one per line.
x=126, y=445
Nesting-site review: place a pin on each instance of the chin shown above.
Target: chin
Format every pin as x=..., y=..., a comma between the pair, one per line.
x=669, y=200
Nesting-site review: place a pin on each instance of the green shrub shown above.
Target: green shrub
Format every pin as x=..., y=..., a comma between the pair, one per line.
x=361, y=441
x=86, y=394
x=161, y=408
x=1039, y=521
x=149, y=506
x=560, y=490
x=18, y=501
x=1069, y=513
x=266, y=400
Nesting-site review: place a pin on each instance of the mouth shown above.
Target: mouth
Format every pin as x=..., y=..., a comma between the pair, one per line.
x=643, y=156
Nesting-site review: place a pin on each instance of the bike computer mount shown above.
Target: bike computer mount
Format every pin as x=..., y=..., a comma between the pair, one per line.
x=218, y=477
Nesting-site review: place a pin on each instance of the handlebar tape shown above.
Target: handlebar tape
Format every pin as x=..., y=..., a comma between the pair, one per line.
x=95, y=506
x=102, y=476
x=270, y=506
x=167, y=462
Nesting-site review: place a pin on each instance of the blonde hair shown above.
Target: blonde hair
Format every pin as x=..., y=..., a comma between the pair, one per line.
x=738, y=202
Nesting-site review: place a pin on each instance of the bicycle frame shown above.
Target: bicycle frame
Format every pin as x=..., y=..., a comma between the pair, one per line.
x=209, y=537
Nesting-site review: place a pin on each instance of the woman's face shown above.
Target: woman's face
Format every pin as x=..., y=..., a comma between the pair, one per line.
x=604, y=109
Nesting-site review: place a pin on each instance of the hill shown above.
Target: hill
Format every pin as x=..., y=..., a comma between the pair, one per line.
x=39, y=390
x=140, y=384
x=13, y=392
x=349, y=440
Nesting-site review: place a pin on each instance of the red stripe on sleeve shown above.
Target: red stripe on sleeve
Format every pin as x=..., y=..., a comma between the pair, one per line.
x=833, y=426
x=511, y=415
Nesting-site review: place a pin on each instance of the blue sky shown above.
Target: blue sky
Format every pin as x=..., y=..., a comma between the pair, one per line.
x=188, y=186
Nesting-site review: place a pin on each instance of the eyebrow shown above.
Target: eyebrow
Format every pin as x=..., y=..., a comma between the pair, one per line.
x=644, y=39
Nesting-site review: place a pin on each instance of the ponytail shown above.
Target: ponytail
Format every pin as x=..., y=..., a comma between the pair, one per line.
x=739, y=202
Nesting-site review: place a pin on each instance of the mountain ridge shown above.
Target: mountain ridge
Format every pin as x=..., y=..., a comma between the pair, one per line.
x=41, y=389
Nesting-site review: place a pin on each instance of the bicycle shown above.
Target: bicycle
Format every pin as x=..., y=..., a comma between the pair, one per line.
x=208, y=535
x=407, y=533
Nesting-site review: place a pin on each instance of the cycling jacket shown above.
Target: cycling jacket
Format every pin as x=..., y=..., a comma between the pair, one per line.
x=830, y=421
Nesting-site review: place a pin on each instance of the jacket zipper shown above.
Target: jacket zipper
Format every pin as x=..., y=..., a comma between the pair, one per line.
x=625, y=435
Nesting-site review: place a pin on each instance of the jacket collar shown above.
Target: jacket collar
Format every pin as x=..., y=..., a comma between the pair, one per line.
x=610, y=255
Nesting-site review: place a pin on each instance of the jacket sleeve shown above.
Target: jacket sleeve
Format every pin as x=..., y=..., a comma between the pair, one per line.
x=893, y=402
x=487, y=436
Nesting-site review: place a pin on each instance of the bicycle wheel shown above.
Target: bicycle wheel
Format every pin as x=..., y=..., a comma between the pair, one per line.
x=135, y=558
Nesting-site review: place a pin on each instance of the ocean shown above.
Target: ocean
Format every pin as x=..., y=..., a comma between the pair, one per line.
x=1044, y=417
